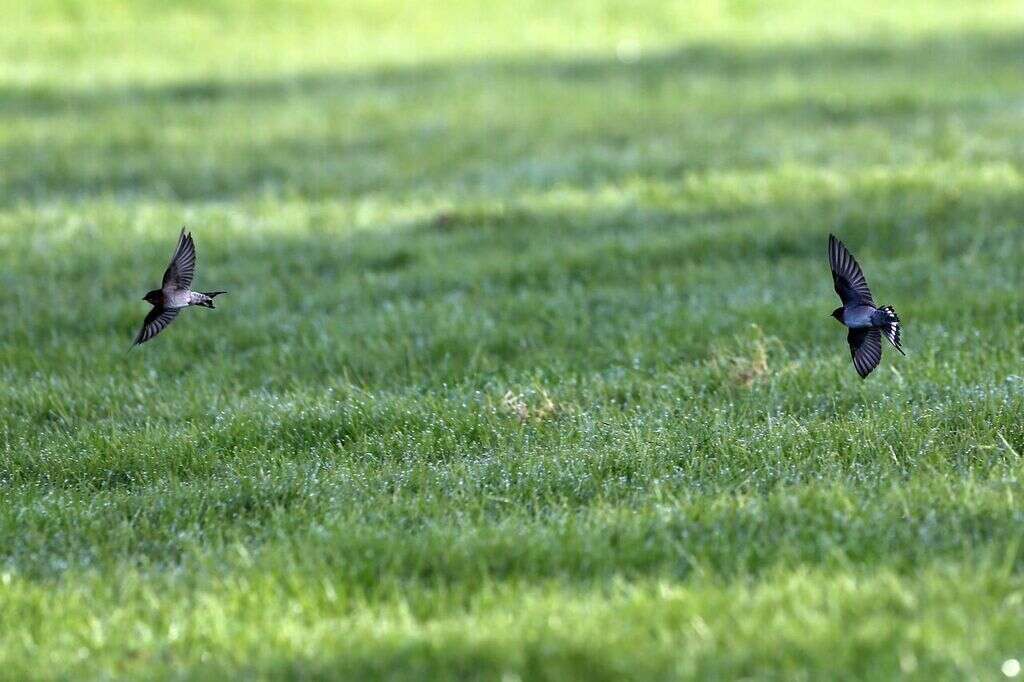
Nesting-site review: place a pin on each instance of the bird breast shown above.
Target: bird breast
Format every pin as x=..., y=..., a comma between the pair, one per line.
x=177, y=299
x=857, y=317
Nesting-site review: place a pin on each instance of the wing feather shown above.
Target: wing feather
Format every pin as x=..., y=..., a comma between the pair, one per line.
x=156, y=321
x=849, y=280
x=179, y=273
x=866, y=349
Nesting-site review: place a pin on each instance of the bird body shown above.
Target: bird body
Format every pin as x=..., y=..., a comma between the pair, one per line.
x=176, y=292
x=181, y=298
x=867, y=323
x=861, y=316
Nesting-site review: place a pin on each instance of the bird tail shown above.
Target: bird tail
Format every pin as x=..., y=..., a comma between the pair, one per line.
x=207, y=302
x=891, y=328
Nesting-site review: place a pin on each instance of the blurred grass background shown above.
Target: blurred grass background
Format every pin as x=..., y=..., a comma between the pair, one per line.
x=526, y=368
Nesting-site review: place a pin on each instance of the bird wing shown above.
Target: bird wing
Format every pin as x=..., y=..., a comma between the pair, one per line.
x=866, y=349
x=849, y=281
x=155, y=322
x=183, y=264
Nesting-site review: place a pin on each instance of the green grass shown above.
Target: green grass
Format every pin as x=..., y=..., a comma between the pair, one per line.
x=526, y=369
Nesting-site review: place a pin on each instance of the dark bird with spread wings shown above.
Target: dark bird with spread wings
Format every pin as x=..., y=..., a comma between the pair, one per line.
x=866, y=322
x=175, y=292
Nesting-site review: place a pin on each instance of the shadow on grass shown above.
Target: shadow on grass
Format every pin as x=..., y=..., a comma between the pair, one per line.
x=380, y=545
x=953, y=52
x=492, y=126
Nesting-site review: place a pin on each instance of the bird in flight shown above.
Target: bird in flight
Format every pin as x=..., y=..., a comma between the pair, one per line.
x=865, y=321
x=175, y=292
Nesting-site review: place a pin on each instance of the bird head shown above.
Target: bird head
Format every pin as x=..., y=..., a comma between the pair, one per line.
x=838, y=314
x=153, y=296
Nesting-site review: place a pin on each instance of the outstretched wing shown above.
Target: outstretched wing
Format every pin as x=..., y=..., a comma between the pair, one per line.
x=866, y=349
x=155, y=322
x=183, y=264
x=849, y=281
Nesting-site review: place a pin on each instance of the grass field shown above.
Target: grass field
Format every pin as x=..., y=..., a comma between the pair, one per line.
x=526, y=369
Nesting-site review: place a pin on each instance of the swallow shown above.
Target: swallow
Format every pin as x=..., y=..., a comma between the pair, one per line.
x=866, y=322
x=175, y=292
